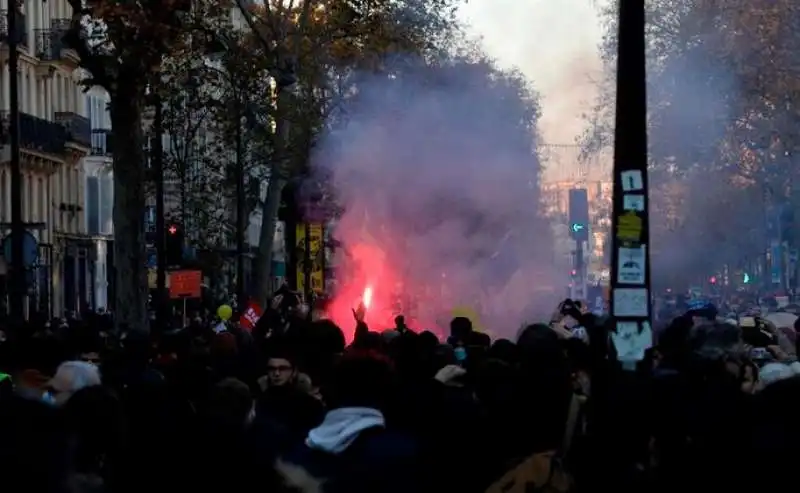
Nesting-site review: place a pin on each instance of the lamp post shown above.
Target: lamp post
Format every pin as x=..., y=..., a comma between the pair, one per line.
x=17, y=263
x=157, y=162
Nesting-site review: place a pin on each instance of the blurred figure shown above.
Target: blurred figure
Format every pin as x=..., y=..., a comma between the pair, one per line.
x=70, y=377
x=95, y=426
x=34, y=448
x=226, y=452
x=400, y=324
x=286, y=401
x=354, y=449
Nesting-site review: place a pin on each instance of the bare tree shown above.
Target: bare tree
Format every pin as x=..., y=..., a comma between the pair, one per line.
x=308, y=41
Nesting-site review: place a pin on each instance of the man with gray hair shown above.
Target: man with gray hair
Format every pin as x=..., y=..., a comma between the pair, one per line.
x=70, y=377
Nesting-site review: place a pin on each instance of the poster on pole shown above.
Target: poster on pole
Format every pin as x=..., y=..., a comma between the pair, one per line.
x=631, y=268
x=185, y=284
x=630, y=302
x=632, y=181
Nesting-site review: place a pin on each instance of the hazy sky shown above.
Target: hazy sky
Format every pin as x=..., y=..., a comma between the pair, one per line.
x=554, y=43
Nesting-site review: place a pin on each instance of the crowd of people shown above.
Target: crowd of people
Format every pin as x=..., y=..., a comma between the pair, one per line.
x=291, y=406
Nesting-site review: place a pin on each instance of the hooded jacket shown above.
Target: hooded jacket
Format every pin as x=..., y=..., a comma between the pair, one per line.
x=352, y=452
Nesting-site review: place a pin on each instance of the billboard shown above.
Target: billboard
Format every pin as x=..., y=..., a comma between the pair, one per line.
x=316, y=255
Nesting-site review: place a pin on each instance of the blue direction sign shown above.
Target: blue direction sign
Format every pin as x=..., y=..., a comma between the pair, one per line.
x=30, y=250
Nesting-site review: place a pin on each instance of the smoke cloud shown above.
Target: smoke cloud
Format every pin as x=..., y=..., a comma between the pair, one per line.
x=695, y=204
x=437, y=176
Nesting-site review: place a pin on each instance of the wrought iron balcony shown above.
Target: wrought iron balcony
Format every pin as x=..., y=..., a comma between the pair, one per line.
x=21, y=27
x=49, y=44
x=79, y=128
x=102, y=142
x=36, y=134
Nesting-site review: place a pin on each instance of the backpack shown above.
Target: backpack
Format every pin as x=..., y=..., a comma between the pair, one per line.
x=543, y=471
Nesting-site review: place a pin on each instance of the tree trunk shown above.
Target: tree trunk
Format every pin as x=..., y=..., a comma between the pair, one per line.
x=129, y=206
x=272, y=202
x=269, y=219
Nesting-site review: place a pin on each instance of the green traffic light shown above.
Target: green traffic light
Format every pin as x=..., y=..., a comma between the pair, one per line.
x=746, y=278
x=577, y=227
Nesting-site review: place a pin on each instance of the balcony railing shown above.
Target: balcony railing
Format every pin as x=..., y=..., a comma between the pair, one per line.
x=49, y=44
x=35, y=134
x=78, y=127
x=102, y=142
x=22, y=28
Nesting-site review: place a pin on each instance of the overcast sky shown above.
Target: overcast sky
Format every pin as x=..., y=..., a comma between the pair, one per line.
x=554, y=43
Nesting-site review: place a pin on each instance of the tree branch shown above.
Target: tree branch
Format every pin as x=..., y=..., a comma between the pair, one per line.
x=96, y=64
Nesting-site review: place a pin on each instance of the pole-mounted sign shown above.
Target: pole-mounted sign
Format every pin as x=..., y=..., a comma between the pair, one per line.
x=630, y=262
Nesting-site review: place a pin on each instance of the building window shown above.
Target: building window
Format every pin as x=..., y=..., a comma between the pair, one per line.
x=30, y=199
x=33, y=191
x=150, y=219
x=106, y=203
x=42, y=201
x=61, y=197
x=23, y=204
x=147, y=152
x=92, y=205
x=3, y=205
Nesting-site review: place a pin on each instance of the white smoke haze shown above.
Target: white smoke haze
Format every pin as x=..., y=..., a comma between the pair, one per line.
x=563, y=68
x=436, y=169
x=690, y=109
x=700, y=217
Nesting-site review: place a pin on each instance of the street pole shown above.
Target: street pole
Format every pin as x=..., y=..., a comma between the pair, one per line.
x=307, y=264
x=629, y=324
x=157, y=160
x=580, y=269
x=17, y=291
x=631, y=292
x=240, y=217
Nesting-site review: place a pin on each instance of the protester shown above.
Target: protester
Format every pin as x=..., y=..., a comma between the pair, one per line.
x=291, y=407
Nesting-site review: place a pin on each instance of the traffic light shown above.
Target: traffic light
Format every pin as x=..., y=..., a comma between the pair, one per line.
x=579, y=214
x=174, y=245
x=746, y=278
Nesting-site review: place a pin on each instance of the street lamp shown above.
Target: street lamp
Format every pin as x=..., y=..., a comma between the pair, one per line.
x=17, y=263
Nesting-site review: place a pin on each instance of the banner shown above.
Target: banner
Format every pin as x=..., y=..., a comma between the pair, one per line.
x=250, y=316
x=316, y=255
